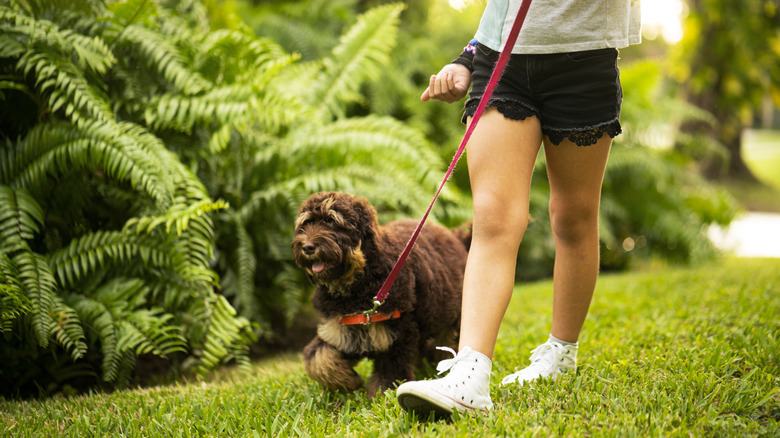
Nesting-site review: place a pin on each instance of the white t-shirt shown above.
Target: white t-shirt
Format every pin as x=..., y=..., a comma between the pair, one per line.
x=556, y=26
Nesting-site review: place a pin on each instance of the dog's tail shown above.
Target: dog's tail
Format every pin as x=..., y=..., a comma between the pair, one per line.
x=463, y=233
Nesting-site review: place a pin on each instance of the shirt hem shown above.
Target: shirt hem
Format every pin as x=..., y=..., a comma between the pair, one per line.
x=566, y=47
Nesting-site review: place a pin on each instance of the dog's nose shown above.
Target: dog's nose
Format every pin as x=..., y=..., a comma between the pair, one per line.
x=309, y=248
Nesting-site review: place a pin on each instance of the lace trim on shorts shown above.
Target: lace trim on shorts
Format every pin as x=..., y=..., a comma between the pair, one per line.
x=511, y=109
x=584, y=136
x=515, y=110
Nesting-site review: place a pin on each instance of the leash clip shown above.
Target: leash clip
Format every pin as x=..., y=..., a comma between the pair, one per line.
x=373, y=311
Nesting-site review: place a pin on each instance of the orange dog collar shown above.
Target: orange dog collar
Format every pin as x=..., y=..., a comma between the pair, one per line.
x=367, y=318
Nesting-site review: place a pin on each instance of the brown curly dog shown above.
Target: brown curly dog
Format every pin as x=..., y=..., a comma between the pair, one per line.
x=347, y=256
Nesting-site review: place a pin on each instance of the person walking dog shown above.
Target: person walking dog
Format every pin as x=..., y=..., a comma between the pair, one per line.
x=560, y=89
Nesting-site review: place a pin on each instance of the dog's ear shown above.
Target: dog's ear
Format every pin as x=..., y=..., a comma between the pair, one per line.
x=366, y=217
x=315, y=200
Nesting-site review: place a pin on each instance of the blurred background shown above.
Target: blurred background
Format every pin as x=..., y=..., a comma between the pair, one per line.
x=155, y=153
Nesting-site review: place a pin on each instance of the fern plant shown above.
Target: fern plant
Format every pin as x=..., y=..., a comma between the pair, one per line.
x=107, y=239
x=138, y=116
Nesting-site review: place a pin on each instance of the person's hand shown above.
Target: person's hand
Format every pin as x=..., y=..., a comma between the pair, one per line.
x=450, y=85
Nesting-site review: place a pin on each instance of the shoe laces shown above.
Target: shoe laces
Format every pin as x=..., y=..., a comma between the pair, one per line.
x=552, y=354
x=468, y=381
x=467, y=355
x=446, y=364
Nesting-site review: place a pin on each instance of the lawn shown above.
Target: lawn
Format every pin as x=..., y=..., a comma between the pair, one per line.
x=666, y=352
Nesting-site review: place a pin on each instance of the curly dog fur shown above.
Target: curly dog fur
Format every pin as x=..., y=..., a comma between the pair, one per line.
x=347, y=255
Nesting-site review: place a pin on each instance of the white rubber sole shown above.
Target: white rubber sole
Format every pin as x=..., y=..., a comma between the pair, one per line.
x=424, y=401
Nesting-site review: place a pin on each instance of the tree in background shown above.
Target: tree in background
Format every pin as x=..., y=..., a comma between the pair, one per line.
x=726, y=64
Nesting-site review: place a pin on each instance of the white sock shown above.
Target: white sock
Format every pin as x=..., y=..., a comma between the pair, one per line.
x=562, y=342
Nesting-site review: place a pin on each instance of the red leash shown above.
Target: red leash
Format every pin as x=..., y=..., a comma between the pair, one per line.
x=497, y=71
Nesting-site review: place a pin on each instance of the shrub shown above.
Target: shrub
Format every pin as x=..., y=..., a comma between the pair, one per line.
x=151, y=160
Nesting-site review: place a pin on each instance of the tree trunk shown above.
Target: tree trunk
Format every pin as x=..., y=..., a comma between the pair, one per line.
x=735, y=168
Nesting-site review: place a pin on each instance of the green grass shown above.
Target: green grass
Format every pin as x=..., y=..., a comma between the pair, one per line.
x=665, y=352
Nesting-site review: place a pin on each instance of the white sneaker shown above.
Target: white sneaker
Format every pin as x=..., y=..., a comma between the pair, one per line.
x=465, y=388
x=547, y=360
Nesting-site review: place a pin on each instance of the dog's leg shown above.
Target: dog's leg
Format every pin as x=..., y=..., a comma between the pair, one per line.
x=395, y=365
x=328, y=366
x=388, y=375
x=389, y=370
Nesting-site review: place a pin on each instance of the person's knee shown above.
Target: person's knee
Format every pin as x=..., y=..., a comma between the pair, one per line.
x=498, y=219
x=574, y=222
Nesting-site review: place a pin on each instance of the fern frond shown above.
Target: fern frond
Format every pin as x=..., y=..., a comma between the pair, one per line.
x=178, y=216
x=120, y=150
x=371, y=140
x=149, y=331
x=223, y=105
x=191, y=251
x=20, y=217
x=40, y=287
x=65, y=86
x=160, y=55
x=115, y=312
x=227, y=336
x=95, y=250
x=98, y=318
x=312, y=42
x=239, y=281
x=253, y=60
x=67, y=330
x=220, y=138
x=88, y=52
x=13, y=301
x=234, y=105
x=360, y=55
x=26, y=272
x=60, y=61
x=129, y=12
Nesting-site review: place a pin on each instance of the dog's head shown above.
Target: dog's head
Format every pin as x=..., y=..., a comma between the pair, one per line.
x=329, y=233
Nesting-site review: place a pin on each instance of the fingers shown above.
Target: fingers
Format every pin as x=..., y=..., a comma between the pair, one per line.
x=426, y=96
x=442, y=87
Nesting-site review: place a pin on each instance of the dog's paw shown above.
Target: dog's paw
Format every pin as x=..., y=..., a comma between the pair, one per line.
x=327, y=366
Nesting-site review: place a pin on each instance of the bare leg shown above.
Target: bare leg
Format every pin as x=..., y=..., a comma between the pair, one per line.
x=501, y=156
x=576, y=174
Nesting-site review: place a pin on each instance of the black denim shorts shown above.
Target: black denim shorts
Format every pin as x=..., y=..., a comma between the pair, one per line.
x=574, y=95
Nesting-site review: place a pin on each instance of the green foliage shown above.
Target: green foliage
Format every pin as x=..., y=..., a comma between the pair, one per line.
x=726, y=64
x=728, y=56
x=135, y=116
x=666, y=352
x=107, y=239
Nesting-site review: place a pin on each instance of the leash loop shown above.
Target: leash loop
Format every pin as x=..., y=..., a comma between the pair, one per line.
x=384, y=291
